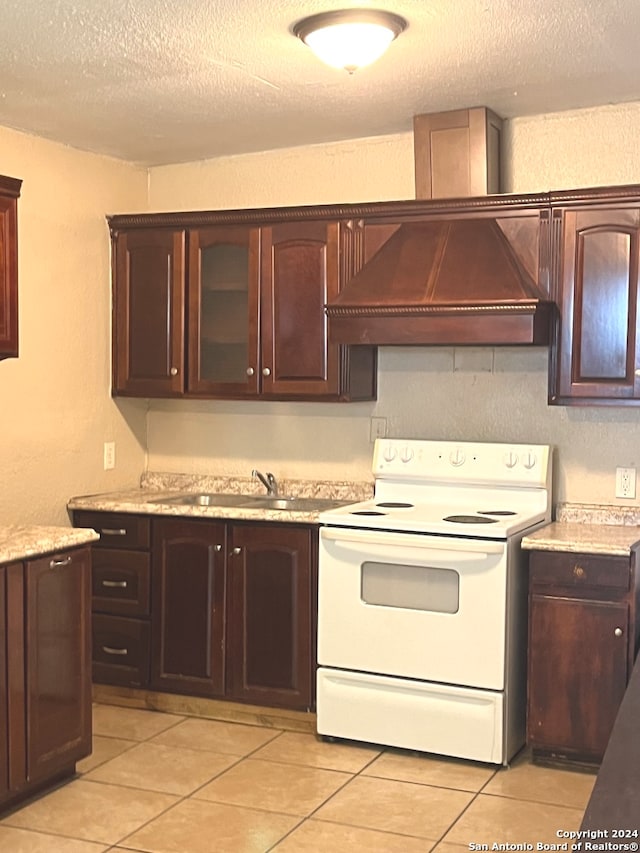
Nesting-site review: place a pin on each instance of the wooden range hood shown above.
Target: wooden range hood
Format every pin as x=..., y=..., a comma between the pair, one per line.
x=449, y=282
x=459, y=271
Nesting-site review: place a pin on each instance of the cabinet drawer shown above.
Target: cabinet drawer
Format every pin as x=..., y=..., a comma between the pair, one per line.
x=117, y=530
x=120, y=582
x=121, y=650
x=579, y=571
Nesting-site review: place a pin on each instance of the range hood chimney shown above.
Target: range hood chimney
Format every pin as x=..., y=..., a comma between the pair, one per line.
x=461, y=277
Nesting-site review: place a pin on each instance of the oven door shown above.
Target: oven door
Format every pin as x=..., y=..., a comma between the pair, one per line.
x=417, y=606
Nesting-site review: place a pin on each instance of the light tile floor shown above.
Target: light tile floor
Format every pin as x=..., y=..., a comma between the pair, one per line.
x=164, y=783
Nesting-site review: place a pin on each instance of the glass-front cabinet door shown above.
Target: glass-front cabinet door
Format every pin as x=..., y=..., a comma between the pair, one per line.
x=223, y=311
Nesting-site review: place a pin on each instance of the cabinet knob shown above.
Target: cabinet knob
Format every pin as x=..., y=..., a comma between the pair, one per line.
x=174, y=371
x=638, y=372
x=578, y=572
x=217, y=547
x=237, y=551
x=250, y=371
x=618, y=632
x=266, y=371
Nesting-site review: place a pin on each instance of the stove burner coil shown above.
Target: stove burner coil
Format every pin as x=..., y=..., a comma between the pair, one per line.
x=395, y=505
x=469, y=519
x=368, y=512
x=497, y=512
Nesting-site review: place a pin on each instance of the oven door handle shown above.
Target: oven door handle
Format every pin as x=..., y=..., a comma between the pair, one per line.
x=366, y=537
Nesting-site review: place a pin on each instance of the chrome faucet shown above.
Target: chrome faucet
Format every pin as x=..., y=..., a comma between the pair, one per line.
x=268, y=481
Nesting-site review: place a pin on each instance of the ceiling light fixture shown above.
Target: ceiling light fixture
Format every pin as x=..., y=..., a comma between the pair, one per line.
x=349, y=38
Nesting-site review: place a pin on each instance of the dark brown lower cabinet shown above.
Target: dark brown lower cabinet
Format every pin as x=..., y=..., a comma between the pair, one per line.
x=121, y=586
x=188, y=567
x=582, y=643
x=205, y=607
x=271, y=615
x=4, y=692
x=45, y=678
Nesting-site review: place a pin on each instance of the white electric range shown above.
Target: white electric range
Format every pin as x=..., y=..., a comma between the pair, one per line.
x=422, y=616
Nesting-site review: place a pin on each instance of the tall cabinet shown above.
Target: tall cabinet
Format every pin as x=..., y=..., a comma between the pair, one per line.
x=9, y=193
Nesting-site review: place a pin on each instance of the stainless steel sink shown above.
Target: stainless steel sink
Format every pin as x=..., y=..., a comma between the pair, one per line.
x=205, y=499
x=293, y=504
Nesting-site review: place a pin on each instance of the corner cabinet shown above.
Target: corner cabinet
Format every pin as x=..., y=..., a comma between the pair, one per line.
x=583, y=635
x=596, y=244
x=45, y=675
x=9, y=193
x=232, y=307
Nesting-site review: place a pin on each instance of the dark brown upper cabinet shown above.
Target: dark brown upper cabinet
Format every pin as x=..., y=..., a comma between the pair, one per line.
x=9, y=193
x=233, y=307
x=596, y=244
x=148, y=307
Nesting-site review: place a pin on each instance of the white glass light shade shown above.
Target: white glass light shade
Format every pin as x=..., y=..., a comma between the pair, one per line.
x=349, y=39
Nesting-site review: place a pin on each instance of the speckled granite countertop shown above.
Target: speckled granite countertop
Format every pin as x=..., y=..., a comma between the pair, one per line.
x=21, y=542
x=147, y=499
x=589, y=529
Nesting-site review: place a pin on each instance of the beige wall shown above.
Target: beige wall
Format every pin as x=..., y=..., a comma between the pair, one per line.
x=481, y=394
x=55, y=410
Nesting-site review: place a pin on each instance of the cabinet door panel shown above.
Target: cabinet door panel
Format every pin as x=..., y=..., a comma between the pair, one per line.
x=58, y=662
x=188, y=607
x=271, y=621
x=9, y=191
x=149, y=289
x=577, y=673
x=223, y=311
x=300, y=273
x=599, y=342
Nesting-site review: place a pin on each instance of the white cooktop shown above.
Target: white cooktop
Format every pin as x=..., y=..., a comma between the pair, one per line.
x=455, y=488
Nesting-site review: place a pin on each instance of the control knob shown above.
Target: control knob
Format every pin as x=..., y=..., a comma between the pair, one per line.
x=529, y=460
x=457, y=457
x=406, y=454
x=389, y=453
x=511, y=459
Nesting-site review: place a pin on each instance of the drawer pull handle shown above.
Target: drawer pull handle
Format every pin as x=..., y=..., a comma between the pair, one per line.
x=111, y=584
x=618, y=632
x=113, y=531
x=578, y=571
x=57, y=564
x=109, y=650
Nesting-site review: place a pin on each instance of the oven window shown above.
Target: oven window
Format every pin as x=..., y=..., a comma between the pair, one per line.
x=410, y=587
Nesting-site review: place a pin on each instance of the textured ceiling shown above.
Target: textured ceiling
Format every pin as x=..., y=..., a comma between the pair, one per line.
x=160, y=81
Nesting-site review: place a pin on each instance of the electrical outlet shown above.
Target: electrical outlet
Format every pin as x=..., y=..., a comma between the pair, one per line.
x=625, y=482
x=109, y=455
x=377, y=428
